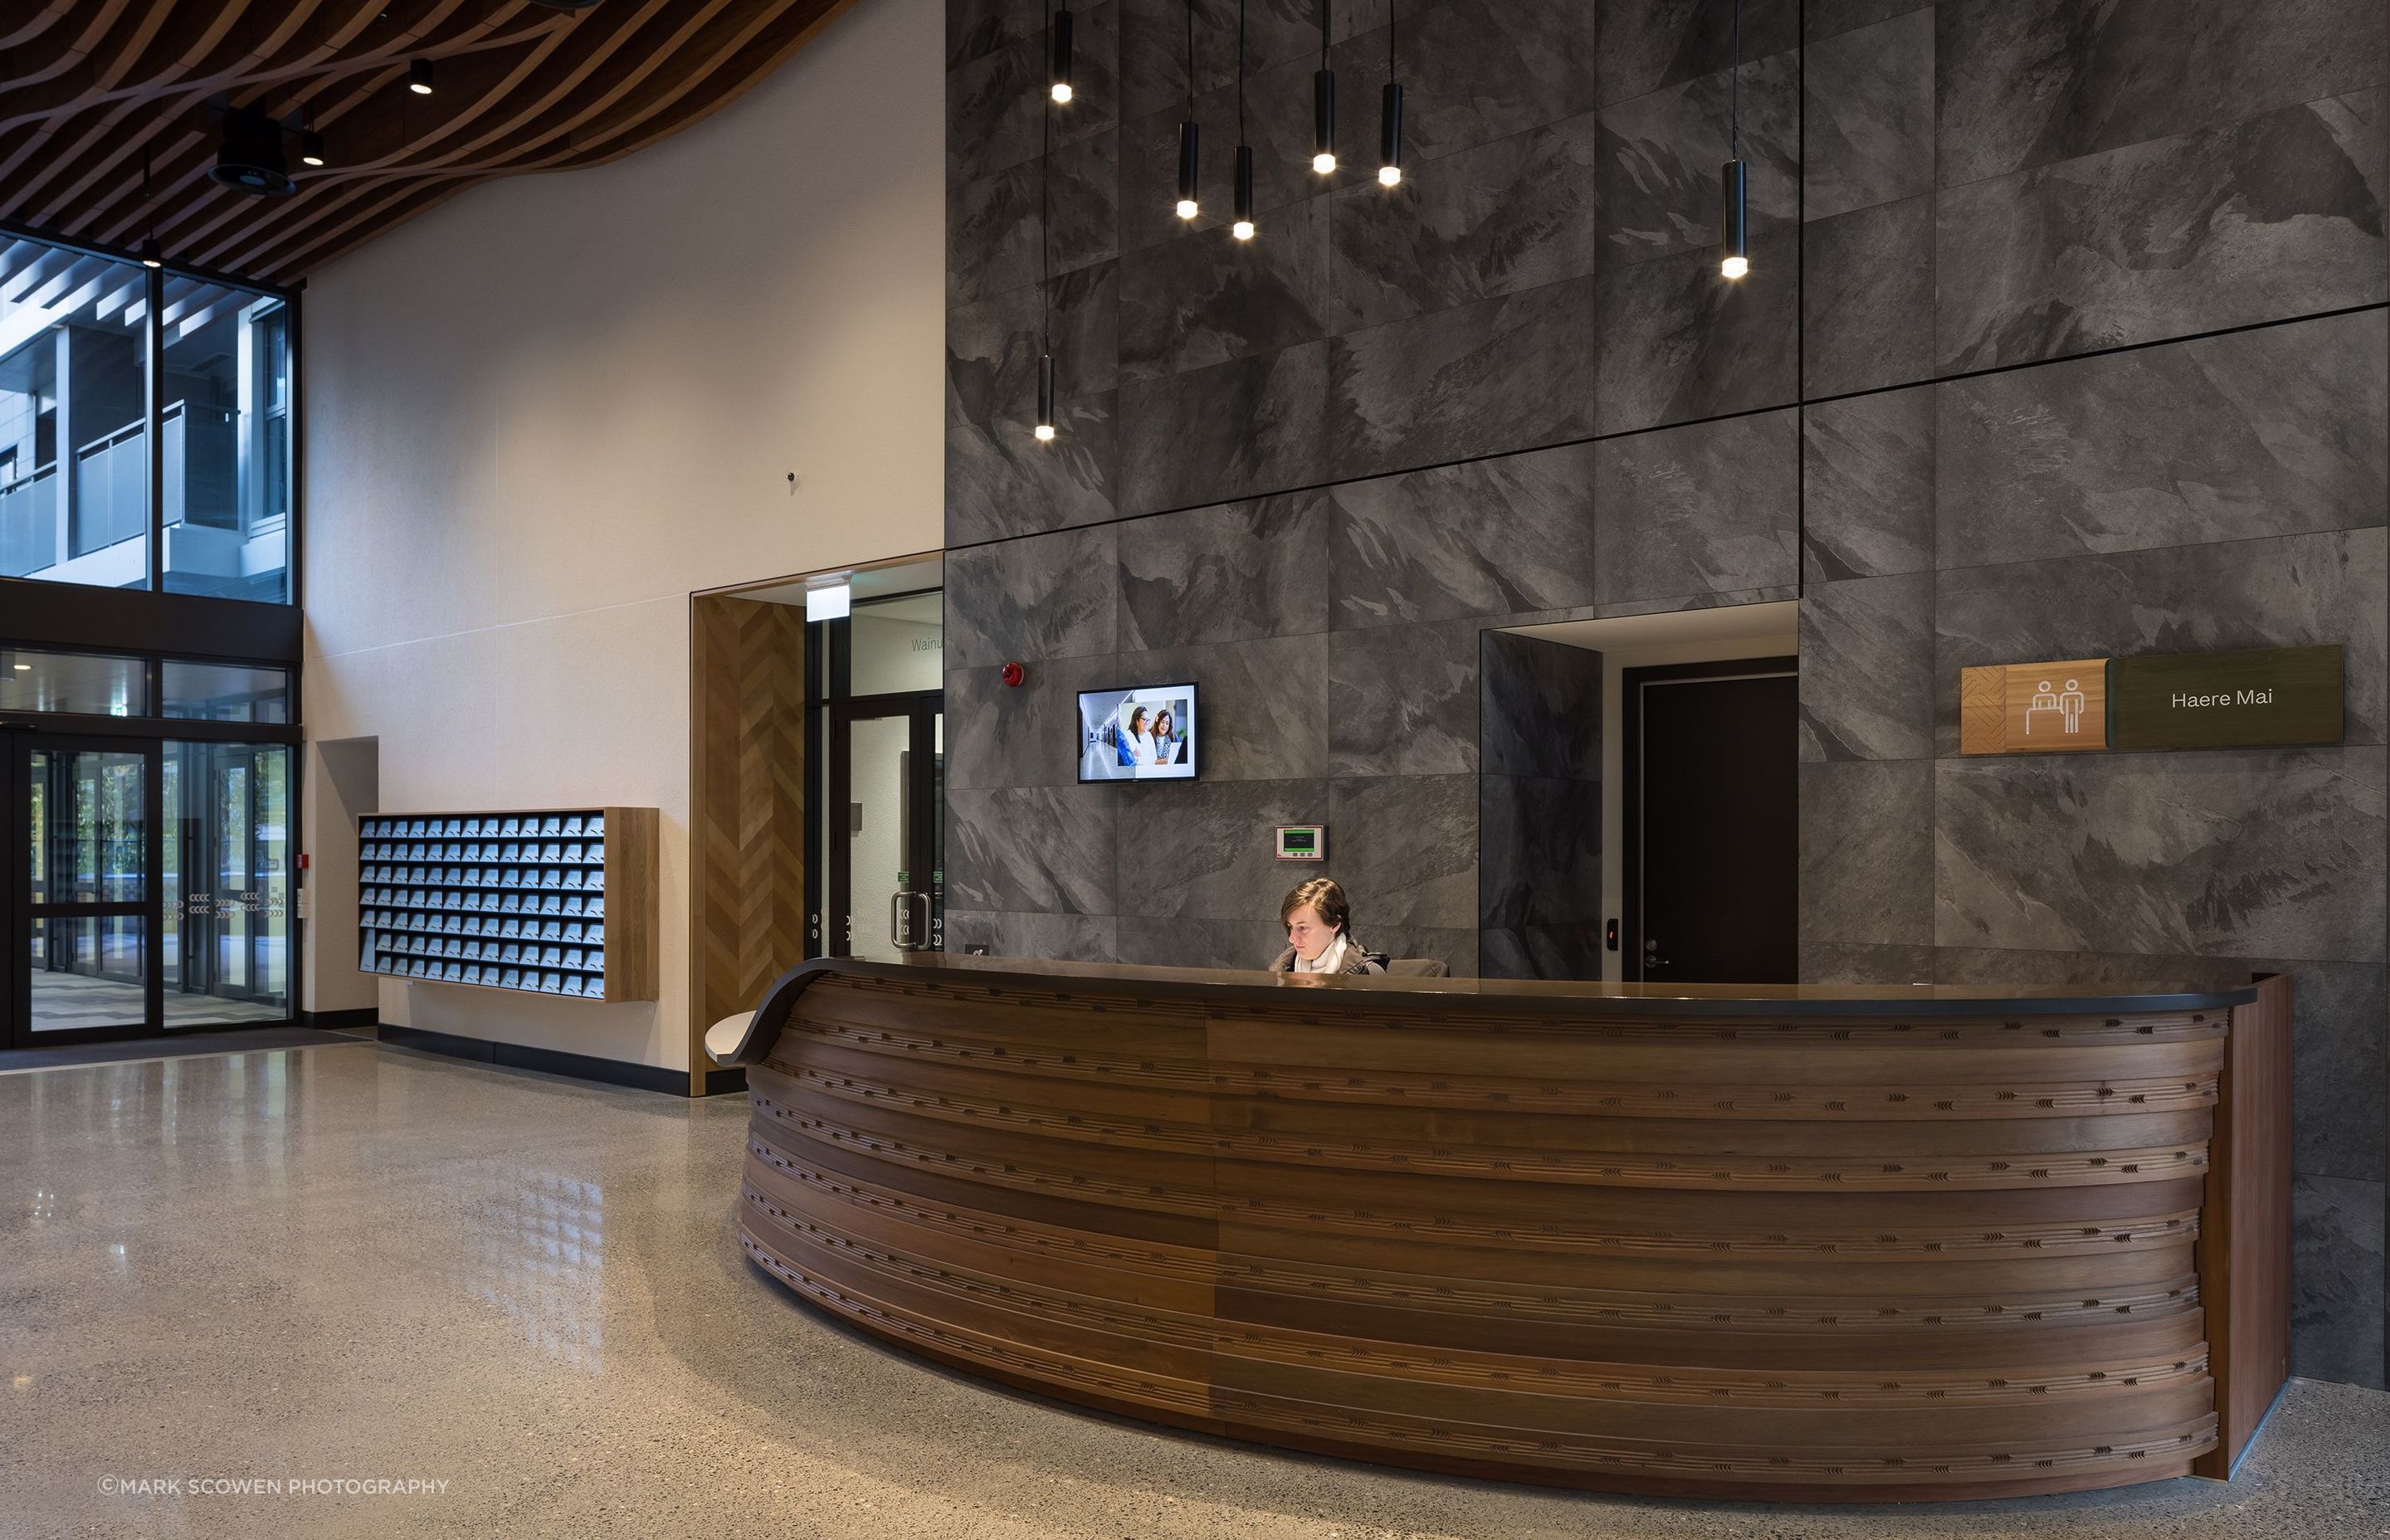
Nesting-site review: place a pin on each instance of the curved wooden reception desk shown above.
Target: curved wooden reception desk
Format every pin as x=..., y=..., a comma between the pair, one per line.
x=1810, y=1244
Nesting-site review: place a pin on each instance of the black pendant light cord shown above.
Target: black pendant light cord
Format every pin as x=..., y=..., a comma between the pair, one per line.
x=1240, y=71
x=1044, y=217
x=1734, y=91
x=1190, y=60
x=1323, y=31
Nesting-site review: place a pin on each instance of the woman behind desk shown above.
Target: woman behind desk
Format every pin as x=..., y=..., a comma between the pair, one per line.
x=1318, y=932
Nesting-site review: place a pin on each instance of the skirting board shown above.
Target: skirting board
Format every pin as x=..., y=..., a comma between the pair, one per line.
x=575, y=1066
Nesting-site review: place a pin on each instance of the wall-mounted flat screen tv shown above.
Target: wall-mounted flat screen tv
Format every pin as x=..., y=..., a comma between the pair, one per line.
x=1147, y=734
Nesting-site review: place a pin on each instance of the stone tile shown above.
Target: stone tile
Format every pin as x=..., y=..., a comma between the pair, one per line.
x=1153, y=45
x=1264, y=704
x=999, y=735
x=1646, y=46
x=1203, y=850
x=1540, y=952
x=1867, y=669
x=1832, y=962
x=996, y=104
x=2277, y=215
x=1233, y=431
x=1678, y=343
x=1054, y=938
x=2266, y=432
x=1500, y=374
x=1867, y=297
x=993, y=345
x=1002, y=480
x=2027, y=82
x=1867, y=475
x=1866, y=854
x=992, y=221
x=1823, y=19
x=2336, y=1273
x=1179, y=942
x=2297, y=591
x=1405, y=849
x=1227, y=573
x=1512, y=215
x=1486, y=537
x=2278, y=852
x=1473, y=71
x=1866, y=124
x=1041, y=597
x=1207, y=298
x=1539, y=708
x=1708, y=506
x=1402, y=701
x=1670, y=603
x=1538, y=851
x=1661, y=154
x=1041, y=849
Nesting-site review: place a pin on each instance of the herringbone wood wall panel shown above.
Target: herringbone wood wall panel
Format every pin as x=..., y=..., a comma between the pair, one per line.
x=747, y=894
x=1816, y=1258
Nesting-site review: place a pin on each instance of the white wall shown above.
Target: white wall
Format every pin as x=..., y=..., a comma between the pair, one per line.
x=541, y=414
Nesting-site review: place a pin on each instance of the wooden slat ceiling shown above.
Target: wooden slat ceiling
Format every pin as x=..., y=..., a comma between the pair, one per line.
x=88, y=86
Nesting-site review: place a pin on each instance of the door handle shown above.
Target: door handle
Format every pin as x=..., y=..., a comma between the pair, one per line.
x=1651, y=958
x=901, y=932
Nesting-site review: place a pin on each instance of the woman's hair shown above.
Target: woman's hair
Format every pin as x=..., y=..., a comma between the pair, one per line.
x=1159, y=718
x=1133, y=718
x=1323, y=894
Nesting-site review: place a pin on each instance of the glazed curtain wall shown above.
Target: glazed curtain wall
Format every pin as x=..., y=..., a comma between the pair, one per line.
x=2065, y=336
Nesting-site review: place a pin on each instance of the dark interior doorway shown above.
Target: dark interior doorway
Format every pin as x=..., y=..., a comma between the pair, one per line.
x=1711, y=822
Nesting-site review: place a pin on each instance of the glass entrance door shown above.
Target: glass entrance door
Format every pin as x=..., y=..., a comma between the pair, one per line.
x=887, y=852
x=227, y=879
x=80, y=912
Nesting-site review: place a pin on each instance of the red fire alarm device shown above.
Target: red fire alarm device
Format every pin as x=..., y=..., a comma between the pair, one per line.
x=302, y=859
x=1014, y=673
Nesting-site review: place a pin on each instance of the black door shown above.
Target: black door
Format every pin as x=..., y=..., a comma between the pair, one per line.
x=887, y=827
x=1711, y=820
x=80, y=906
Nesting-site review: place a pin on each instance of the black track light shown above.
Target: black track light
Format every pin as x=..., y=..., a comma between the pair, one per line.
x=1063, y=55
x=418, y=77
x=1187, y=173
x=311, y=147
x=1045, y=397
x=150, y=255
x=1390, y=119
x=1734, y=178
x=1323, y=104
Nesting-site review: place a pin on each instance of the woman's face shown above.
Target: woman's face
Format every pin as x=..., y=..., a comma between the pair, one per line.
x=1307, y=934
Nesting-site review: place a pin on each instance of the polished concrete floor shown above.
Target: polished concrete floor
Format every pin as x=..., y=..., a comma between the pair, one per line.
x=354, y=1265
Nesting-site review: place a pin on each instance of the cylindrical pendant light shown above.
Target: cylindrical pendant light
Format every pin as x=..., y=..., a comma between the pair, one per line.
x=1044, y=396
x=1734, y=210
x=1243, y=228
x=1061, y=29
x=1045, y=427
x=1390, y=119
x=1189, y=133
x=1323, y=104
x=1734, y=226
x=418, y=77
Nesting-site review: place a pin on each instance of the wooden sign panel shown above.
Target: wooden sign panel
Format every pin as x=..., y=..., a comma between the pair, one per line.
x=2278, y=695
x=2272, y=695
x=2055, y=708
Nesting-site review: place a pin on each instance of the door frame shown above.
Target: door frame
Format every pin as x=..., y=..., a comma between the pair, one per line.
x=18, y=911
x=1631, y=683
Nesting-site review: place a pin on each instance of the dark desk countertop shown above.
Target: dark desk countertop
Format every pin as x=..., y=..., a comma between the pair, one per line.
x=1571, y=997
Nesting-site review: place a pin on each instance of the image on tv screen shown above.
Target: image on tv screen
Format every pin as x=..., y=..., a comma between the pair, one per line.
x=1139, y=735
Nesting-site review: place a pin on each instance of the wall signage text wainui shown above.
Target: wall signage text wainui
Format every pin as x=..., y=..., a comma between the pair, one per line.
x=2273, y=695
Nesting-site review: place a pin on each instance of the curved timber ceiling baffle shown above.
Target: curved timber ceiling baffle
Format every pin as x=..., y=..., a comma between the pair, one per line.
x=88, y=86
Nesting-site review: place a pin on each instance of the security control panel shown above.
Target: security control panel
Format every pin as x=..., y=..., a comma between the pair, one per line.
x=1302, y=842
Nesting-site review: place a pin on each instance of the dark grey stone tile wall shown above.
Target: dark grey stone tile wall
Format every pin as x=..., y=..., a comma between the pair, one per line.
x=2066, y=336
